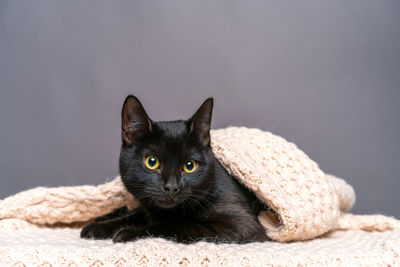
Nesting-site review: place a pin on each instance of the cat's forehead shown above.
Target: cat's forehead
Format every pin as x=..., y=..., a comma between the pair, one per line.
x=171, y=139
x=171, y=129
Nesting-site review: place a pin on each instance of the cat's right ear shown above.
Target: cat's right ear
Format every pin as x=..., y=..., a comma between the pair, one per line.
x=200, y=122
x=135, y=122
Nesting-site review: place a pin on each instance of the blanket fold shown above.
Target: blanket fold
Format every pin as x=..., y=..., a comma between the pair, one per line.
x=305, y=202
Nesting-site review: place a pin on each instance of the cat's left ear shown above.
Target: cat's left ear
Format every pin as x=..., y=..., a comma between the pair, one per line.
x=135, y=122
x=200, y=122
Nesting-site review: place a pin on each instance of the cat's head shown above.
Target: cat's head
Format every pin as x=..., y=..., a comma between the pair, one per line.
x=170, y=163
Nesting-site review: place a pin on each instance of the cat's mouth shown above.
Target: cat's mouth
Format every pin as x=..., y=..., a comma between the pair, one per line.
x=167, y=202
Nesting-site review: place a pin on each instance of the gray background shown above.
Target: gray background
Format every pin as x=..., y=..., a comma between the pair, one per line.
x=323, y=74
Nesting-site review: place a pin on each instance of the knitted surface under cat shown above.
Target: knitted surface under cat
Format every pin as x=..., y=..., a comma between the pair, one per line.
x=306, y=202
x=25, y=244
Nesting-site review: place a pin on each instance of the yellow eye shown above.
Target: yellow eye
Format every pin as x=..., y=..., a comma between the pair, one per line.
x=190, y=166
x=152, y=162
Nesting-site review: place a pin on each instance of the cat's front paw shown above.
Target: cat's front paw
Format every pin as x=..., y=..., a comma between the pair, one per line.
x=127, y=234
x=97, y=230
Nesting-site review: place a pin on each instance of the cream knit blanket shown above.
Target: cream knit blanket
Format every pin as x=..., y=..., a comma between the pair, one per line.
x=306, y=203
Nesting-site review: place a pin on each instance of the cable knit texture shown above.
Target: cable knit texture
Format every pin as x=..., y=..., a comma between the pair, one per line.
x=306, y=203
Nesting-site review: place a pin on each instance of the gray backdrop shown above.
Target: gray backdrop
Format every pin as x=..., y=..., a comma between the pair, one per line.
x=323, y=74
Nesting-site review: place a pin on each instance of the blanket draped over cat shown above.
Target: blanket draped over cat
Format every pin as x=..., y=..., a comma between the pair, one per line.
x=302, y=201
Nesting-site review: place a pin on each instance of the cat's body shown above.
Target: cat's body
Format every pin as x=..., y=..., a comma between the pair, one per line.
x=185, y=193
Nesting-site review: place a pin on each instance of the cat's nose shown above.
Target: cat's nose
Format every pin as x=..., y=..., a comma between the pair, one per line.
x=171, y=188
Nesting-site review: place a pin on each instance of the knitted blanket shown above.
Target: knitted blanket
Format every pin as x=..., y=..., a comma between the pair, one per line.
x=307, y=208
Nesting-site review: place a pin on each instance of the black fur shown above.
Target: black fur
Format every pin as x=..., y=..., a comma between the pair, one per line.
x=208, y=204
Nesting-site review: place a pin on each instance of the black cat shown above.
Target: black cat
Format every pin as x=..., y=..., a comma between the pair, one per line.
x=185, y=193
